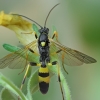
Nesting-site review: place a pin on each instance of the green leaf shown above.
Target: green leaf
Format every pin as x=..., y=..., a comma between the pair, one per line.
x=10, y=47
x=7, y=95
x=35, y=28
x=9, y=85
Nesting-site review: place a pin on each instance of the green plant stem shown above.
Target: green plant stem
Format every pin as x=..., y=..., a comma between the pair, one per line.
x=9, y=85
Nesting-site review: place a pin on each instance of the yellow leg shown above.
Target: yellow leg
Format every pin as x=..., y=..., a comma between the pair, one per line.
x=60, y=81
x=63, y=62
x=55, y=34
x=30, y=33
x=63, y=57
x=55, y=63
x=23, y=81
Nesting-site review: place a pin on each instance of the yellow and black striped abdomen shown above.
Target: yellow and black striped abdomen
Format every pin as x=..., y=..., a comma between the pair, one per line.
x=44, y=79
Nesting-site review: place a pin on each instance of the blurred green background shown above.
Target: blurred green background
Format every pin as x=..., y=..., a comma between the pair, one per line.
x=78, y=25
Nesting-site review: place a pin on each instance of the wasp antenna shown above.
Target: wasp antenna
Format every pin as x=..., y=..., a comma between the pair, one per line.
x=28, y=19
x=49, y=14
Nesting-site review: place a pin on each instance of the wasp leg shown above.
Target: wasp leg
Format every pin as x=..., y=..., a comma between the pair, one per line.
x=62, y=58
x=55, y=34
x=31, y=33
x=55, y=63
x=27, y=58
x=60, y=80
x=35, y=35
x=24, y=78
x=23, y=81
x=35, y=64
x=25, y=75
x=63, y=63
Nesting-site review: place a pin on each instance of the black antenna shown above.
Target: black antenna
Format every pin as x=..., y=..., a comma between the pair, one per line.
x=29, y=19
x=49, y=14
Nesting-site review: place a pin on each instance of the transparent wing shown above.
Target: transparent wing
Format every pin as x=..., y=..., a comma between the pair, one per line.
x=13, y=61
x=20, y=58
x=65, y=58
x=71, y=57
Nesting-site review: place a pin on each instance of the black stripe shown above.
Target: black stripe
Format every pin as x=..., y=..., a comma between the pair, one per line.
x=35, y=36
x=58, y=51
x=53, y=36
x=43, y=87
x=54, y=63
x=33, y=64
x=59, y=79
x=23, y=80
x=43, y=74
x=30, y=50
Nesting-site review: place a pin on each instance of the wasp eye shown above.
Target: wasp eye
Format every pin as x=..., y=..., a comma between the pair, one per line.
x=41, y=30
x=46, y=30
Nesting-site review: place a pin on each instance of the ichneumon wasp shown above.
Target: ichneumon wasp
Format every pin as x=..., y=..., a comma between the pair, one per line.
x=45, y=44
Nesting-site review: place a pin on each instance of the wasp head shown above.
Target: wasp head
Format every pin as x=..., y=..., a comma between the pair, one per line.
x=44, y=30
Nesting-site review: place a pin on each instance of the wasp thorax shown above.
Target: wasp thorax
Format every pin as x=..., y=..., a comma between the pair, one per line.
x=43, y=40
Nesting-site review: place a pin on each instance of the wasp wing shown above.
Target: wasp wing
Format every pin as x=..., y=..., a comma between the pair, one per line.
x=72, y=57
x=65, y=58
x=20, y=58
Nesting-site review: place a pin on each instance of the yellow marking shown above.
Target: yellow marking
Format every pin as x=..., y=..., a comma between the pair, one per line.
x=43, y=44
x=43, y=70
x=44, y=79
x=39, y=65
x=56, y=34
x=49, y=64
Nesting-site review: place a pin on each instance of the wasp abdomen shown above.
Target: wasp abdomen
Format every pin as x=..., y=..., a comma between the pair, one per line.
x=44, y=87
x=44, y=79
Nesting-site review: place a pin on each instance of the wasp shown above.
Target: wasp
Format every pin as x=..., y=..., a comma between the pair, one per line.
x=44, y=44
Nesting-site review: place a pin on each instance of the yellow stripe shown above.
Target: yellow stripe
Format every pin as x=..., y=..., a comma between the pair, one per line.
x=43, y=70
x=49, y=64
x=44, y=79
